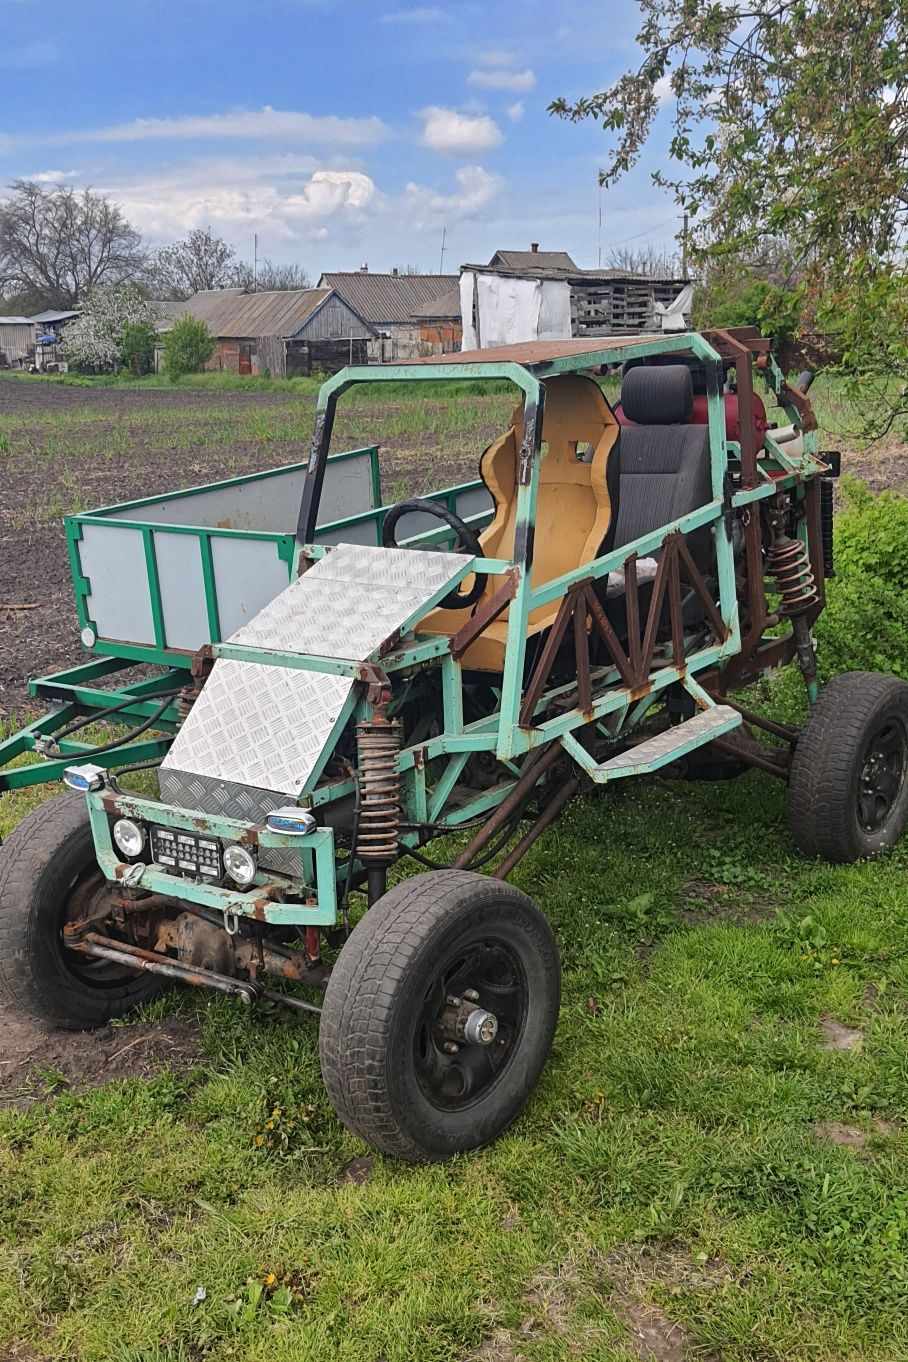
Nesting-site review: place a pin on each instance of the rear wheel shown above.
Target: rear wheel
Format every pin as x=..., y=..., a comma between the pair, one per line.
x=848, y=796
x=48, y=876
x=439, y=1015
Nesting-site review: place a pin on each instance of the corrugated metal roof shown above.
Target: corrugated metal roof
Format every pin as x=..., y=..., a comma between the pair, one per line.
x=545, y=260
x=232, y=312
x=16, y=321
x=385, y=299
x=531, y=353
x=53, y=315
x=446, y=305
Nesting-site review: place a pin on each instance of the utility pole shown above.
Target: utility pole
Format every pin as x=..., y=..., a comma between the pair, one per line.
x=684, y=249
x=255, y=262
x=599, y=183
x=441, y=263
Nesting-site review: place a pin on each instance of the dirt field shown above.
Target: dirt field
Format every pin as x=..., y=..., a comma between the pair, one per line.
x=65, y=449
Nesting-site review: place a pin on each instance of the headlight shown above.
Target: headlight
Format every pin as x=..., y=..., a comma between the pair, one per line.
x=85, y=777
x=298, y=822
x=239, y=864
x=129, y=836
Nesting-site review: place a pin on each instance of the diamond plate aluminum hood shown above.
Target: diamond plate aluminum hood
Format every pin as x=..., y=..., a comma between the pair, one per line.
x=256, y=733
x=351, y=601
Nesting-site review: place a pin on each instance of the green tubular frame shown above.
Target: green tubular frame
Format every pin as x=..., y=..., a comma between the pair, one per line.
x=615, y=710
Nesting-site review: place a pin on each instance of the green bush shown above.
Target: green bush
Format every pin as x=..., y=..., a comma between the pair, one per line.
x=188, y=346
x=865, y=624
x=137, y=347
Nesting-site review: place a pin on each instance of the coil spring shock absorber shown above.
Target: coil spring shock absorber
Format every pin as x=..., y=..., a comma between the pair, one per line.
x=378, y=746
x=788, y=563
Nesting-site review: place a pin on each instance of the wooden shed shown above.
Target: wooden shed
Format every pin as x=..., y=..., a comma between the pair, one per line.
x=284, y=332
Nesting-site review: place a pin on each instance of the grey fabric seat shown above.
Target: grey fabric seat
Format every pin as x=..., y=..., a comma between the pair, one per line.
x=664, y=459
x=664, y=463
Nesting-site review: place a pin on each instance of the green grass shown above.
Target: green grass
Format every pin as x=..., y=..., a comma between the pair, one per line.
x=670, y=1153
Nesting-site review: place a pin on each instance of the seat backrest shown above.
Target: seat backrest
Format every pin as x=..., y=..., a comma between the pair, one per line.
x=665, y=459
x=574, y=506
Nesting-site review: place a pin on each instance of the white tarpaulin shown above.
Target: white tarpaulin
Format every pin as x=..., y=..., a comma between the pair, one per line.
x=672, y=315
x=505, y=310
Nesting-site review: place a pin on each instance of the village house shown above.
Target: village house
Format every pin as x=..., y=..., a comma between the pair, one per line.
x=283, y=333
x=414, y=315
x=544, y=295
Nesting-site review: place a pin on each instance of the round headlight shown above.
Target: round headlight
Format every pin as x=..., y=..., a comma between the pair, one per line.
x=239, y=864
x=129, y=836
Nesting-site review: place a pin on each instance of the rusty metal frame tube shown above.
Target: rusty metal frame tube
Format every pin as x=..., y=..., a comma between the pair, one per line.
x=508, y=805
x=549, y=814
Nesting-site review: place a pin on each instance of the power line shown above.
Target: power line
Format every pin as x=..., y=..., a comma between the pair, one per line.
x=645, y=232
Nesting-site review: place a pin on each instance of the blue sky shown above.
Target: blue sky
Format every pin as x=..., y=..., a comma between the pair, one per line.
x=341, y=131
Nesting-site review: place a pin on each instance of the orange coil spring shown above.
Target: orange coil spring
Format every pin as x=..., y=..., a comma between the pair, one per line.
x=788, y=563
x=378, y=746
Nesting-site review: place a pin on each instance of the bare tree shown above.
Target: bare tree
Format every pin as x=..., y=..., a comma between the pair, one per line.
x=649, y=261
x=200, y=261
x=269, y=277
x=57, y=244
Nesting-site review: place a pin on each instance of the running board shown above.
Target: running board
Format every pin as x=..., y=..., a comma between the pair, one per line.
x=661, y=750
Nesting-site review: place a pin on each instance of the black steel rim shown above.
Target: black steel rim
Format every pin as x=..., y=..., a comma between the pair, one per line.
x=492, y=969
x=76, y=906
x=883, y=771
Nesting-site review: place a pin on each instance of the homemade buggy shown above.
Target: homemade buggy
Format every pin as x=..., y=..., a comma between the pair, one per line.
x=459, y=664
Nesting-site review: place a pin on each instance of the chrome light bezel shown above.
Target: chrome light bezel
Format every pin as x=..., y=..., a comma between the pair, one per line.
x=137, y=828
x=235, y=852
x=84, y=777
x=291, y=820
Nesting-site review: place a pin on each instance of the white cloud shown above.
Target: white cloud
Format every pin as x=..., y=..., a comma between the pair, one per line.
x=52, y=176
x=663, y=91
x=515, y=111
x=237, y=197
x=264, y=124
x=497, y=78
x=458, y=134
x=477, y=189
x=424, y=14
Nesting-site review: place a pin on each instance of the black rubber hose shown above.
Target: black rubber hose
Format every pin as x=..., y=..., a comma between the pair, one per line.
x=133, y=733
x=97, y=715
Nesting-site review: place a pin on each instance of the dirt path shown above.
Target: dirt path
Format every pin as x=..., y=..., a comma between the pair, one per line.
x=35, y=1063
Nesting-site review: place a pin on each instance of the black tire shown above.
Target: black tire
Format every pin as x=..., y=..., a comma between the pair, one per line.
x=48, y=858
x=843, y=804
x=382, y=1062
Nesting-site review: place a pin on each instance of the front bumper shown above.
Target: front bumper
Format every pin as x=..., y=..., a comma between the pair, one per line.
x=316, y=890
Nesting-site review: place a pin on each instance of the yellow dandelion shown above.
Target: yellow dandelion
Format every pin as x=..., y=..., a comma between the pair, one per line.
x=260, y=1139
x=833, y=961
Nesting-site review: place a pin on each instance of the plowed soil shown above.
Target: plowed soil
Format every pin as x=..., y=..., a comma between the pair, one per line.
x=65, y=449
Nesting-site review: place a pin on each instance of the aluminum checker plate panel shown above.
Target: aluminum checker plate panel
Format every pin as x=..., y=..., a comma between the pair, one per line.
x=256, y=732
x=260, y=726
x=351, y=601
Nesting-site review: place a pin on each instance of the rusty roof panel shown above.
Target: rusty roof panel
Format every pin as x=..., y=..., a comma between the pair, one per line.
x=529, y=353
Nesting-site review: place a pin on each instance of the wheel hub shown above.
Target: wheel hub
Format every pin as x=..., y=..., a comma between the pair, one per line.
x=464, y=1022
x=469, y=1024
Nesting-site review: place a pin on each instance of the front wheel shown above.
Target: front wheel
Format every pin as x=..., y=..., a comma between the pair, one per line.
x=848, y=794
x=49, y=876
x=439, y=1015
